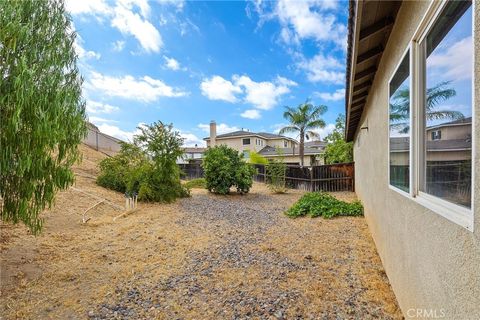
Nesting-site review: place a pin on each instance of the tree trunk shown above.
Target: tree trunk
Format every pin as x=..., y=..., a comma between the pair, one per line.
x=301, y=147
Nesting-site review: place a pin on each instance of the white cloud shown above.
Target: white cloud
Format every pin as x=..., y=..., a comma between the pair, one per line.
x=190, y=140
x=99, y=107
x=171, y=63
x=118, y=45
x=116, y=132
x=144, y=89
x=305, y=20
x=322, y=68
x=323, y=132
x=339, y=94
x=130, y=23
x=95, y=7
x=217, y=88
x=130, y=17
x=221, y=128
x=453, y=62
x=251, y=114
x=82, y=52
x=106, y=126
x=263, y=95
x=98, y=120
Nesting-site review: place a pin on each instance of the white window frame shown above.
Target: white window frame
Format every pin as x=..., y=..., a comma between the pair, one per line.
x=409, y=51
x=458, y=214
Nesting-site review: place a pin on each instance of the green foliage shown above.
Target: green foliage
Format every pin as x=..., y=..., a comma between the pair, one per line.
x=276, y=171
x=256, y=158
x=163, y=146
x=338, y=150
x=122, y=170
x=316, y=204
x=41, y=110
x=304, y=120
x=200, y=183
x=400, y=106
x=147, y=167
x=224, y=167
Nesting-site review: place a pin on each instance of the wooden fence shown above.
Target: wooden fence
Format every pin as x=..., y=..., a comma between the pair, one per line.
x=333, y=177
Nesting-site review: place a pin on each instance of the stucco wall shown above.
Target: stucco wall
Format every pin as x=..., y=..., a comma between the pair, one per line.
x=432, y=263
x=102, y=142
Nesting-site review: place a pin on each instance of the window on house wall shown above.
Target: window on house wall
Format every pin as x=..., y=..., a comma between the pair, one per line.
x=285, y=144
x=436, y=135
x=246, y=141
x=445, y=170
x=399, y=126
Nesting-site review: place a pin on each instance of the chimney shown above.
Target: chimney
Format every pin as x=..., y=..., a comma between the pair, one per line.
x=213, y=133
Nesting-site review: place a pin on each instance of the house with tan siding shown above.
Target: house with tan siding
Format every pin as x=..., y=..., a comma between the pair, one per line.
x=412, y=100
x=269, y=145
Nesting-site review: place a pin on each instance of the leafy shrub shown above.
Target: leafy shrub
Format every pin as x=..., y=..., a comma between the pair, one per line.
x=147, y=167
x=200, y=183
x=117, y=172
x=256, y=158
x=317, y=204
x=224, y=167
x=276, y=170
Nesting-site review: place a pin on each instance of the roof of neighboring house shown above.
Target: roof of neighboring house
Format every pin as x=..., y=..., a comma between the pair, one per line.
x=369, y=27
x=316, y=144
x=194, y=150
x=402, y=144
x=243, y=133
x=271, y=151
x=464, y=121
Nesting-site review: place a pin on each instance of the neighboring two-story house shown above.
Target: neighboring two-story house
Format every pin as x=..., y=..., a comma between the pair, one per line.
x=266, y=144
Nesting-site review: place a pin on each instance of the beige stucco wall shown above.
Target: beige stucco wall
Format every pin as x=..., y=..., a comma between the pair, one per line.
x=432, y=263
x=101, y=141
x=237, y=143
x=453, y=132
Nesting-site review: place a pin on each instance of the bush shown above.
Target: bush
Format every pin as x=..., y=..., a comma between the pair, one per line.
x=200, y=183
x=256, y=158
x=151, y=170
x=116, y=173
x=224, y=167
x=276, y=170
x=317, y=204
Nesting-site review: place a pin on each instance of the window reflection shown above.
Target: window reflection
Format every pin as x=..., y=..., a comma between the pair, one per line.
x=400, y=126
x=447, y=151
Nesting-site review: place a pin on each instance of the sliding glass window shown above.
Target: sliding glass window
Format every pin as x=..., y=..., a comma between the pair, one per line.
x=446, y=106
x=399, y=137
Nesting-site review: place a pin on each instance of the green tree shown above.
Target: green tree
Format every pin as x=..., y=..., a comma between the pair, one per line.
x=161, y=182
x=42, y=112
x=400, y=106
x=303, y=120
x=224, y=167
x=337, y=149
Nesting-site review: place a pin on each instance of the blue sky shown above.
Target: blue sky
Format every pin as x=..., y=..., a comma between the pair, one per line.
x=237, y=62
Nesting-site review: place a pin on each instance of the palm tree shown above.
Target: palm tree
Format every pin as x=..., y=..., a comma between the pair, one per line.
x=400, y=108
x=303, y=120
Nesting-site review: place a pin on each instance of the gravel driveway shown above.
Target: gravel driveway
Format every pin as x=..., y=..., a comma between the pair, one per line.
x=203, y=257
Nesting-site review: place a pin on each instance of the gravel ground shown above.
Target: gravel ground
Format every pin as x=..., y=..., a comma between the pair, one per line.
x=246, y=272
x=203, y=257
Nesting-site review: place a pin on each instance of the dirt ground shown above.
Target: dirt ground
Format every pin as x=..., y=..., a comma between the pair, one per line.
x=203, y=257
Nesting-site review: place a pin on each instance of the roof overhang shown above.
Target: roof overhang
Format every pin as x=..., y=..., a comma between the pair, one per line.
x=369, y=25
